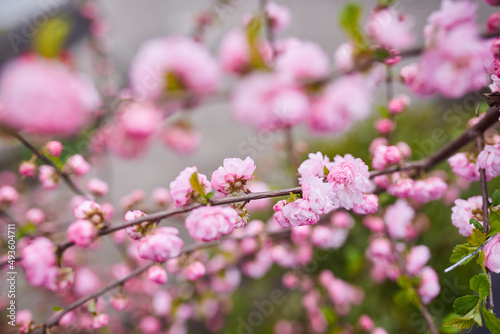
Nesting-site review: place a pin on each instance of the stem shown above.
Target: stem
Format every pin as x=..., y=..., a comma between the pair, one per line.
x=45, y=159
x=486, y=218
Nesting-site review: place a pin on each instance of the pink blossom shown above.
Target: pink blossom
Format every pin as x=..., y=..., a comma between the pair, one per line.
x=495, y=86
x=399, y=103
x=404, y=148
x=48, y=177
x=181, y=189
x=319, y=194
x=43, y=96
x=342, y=219
x=374, y=224
x=385, y=156
x=139, y=121
x=328, y=237
x=150, y=325
x=368, y=206
x=390, y=29
x=493, y=2
x=462, y=166
x=430, y=189
x=97, y=187
x=493, y=24
x=384, y=125
x=343, y=102
x=379, y=330
x=8, y=194
x=100, y=320
x=343, y=57
x=210, y=223
x=235, y=55
x=278, y=15
x=39, y=263
x=86, y=282
x=376, y=142
x=195, y=271
x=366, y=323
x=314, y=166
x=89, y=210
x=233, y=175
x=185, y=61
x=417, y=258
x=302, y=60
x=298, y=213
x=182, y=138
x=429, y=285
x=76, y=164
x=35, y=215
x=118, y=302
x=492, y=252
x=158, y=275
x=401, y=187
x=136, y=231
x=82, y=233
x=161, y=197
x=464, y=211
x=161, y=245
x=54, y=148
x=269, y=101
x=382, y=181
x=398, y=219
x=489, y=160
x=27, y=169
x=349, y=177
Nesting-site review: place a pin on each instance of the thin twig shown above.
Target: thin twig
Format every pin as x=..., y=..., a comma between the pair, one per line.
x=45, y=159
x=450, y=268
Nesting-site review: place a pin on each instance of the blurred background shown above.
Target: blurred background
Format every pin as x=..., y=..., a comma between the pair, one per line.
x=130, y=23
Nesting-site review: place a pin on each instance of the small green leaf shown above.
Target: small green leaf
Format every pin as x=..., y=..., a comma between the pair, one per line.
x=461, y=251
x=326, y=170
x=49, y=39
x=495, y=199
x=461, y=323
x=480, y=259
x=384, y=111
x=465, y=304
x=195, y=183
x=329, y=314
x=57, y=308
x=494, y=223
x=381, y=54
x=491, y=321
x=349, y=19
x=481, y=284
x=476, y=224
x=253, y=33
x=172, y=83
x=477, y=238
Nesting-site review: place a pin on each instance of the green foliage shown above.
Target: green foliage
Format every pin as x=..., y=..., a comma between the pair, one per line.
x=477, y=238
x=172, y=83
x=25, y=230
x=465, y=304
x=494, y=223
x=495, y=199
x=460, y=251
x=57, y=308
x=195, y=183
x=491, y=321
x=480, y=284
x=349, y=20
x=49, y=40
x=476, y=224
x=253, y=36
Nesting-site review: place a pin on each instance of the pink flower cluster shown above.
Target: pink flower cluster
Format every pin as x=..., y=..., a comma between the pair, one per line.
x=454, y=53
x=464, y=211
x=390, y=29
x=347, y=181
x=462, y=166
x=489, y=160
x=340, y=292
x=422, y=191
x=39, y=263
x=89, y=218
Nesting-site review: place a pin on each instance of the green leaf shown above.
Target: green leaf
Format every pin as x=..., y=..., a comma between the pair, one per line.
x=329, y=314
x=480, y=259
x=495, y=199
x=481, y=284
x=57, y=308
x=253, y=33
x=349, y=19
x=476, y=224
x=195, y=183
x=49, y=39
x=465, y=304
x=326, y=170
x=491, y=321
x=494, y=223
x=172, y=83
x=461, y=323
x=477, y=238
x=381, y=54
x=384, y=111
x=461, y=251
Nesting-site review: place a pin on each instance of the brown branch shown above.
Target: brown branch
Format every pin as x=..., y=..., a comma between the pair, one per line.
x=486, y=222
x=45, y=159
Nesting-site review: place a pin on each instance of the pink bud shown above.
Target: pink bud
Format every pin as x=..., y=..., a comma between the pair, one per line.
x=119, y=302
x=160, y=246
x=99, y=321
x=8, y=195
x=182, y=138
x=54, y=148
x=195, y=271
x=493, y=24
x=82, y=233
x=495, y=48
x=399, y=104
x=27, y=169
x=76, y=164
x=97, y=187
x=493, y=2
x=366, y=323
x=157, y=275
x=384, y=125
x=368, y=206
x=35, y=215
